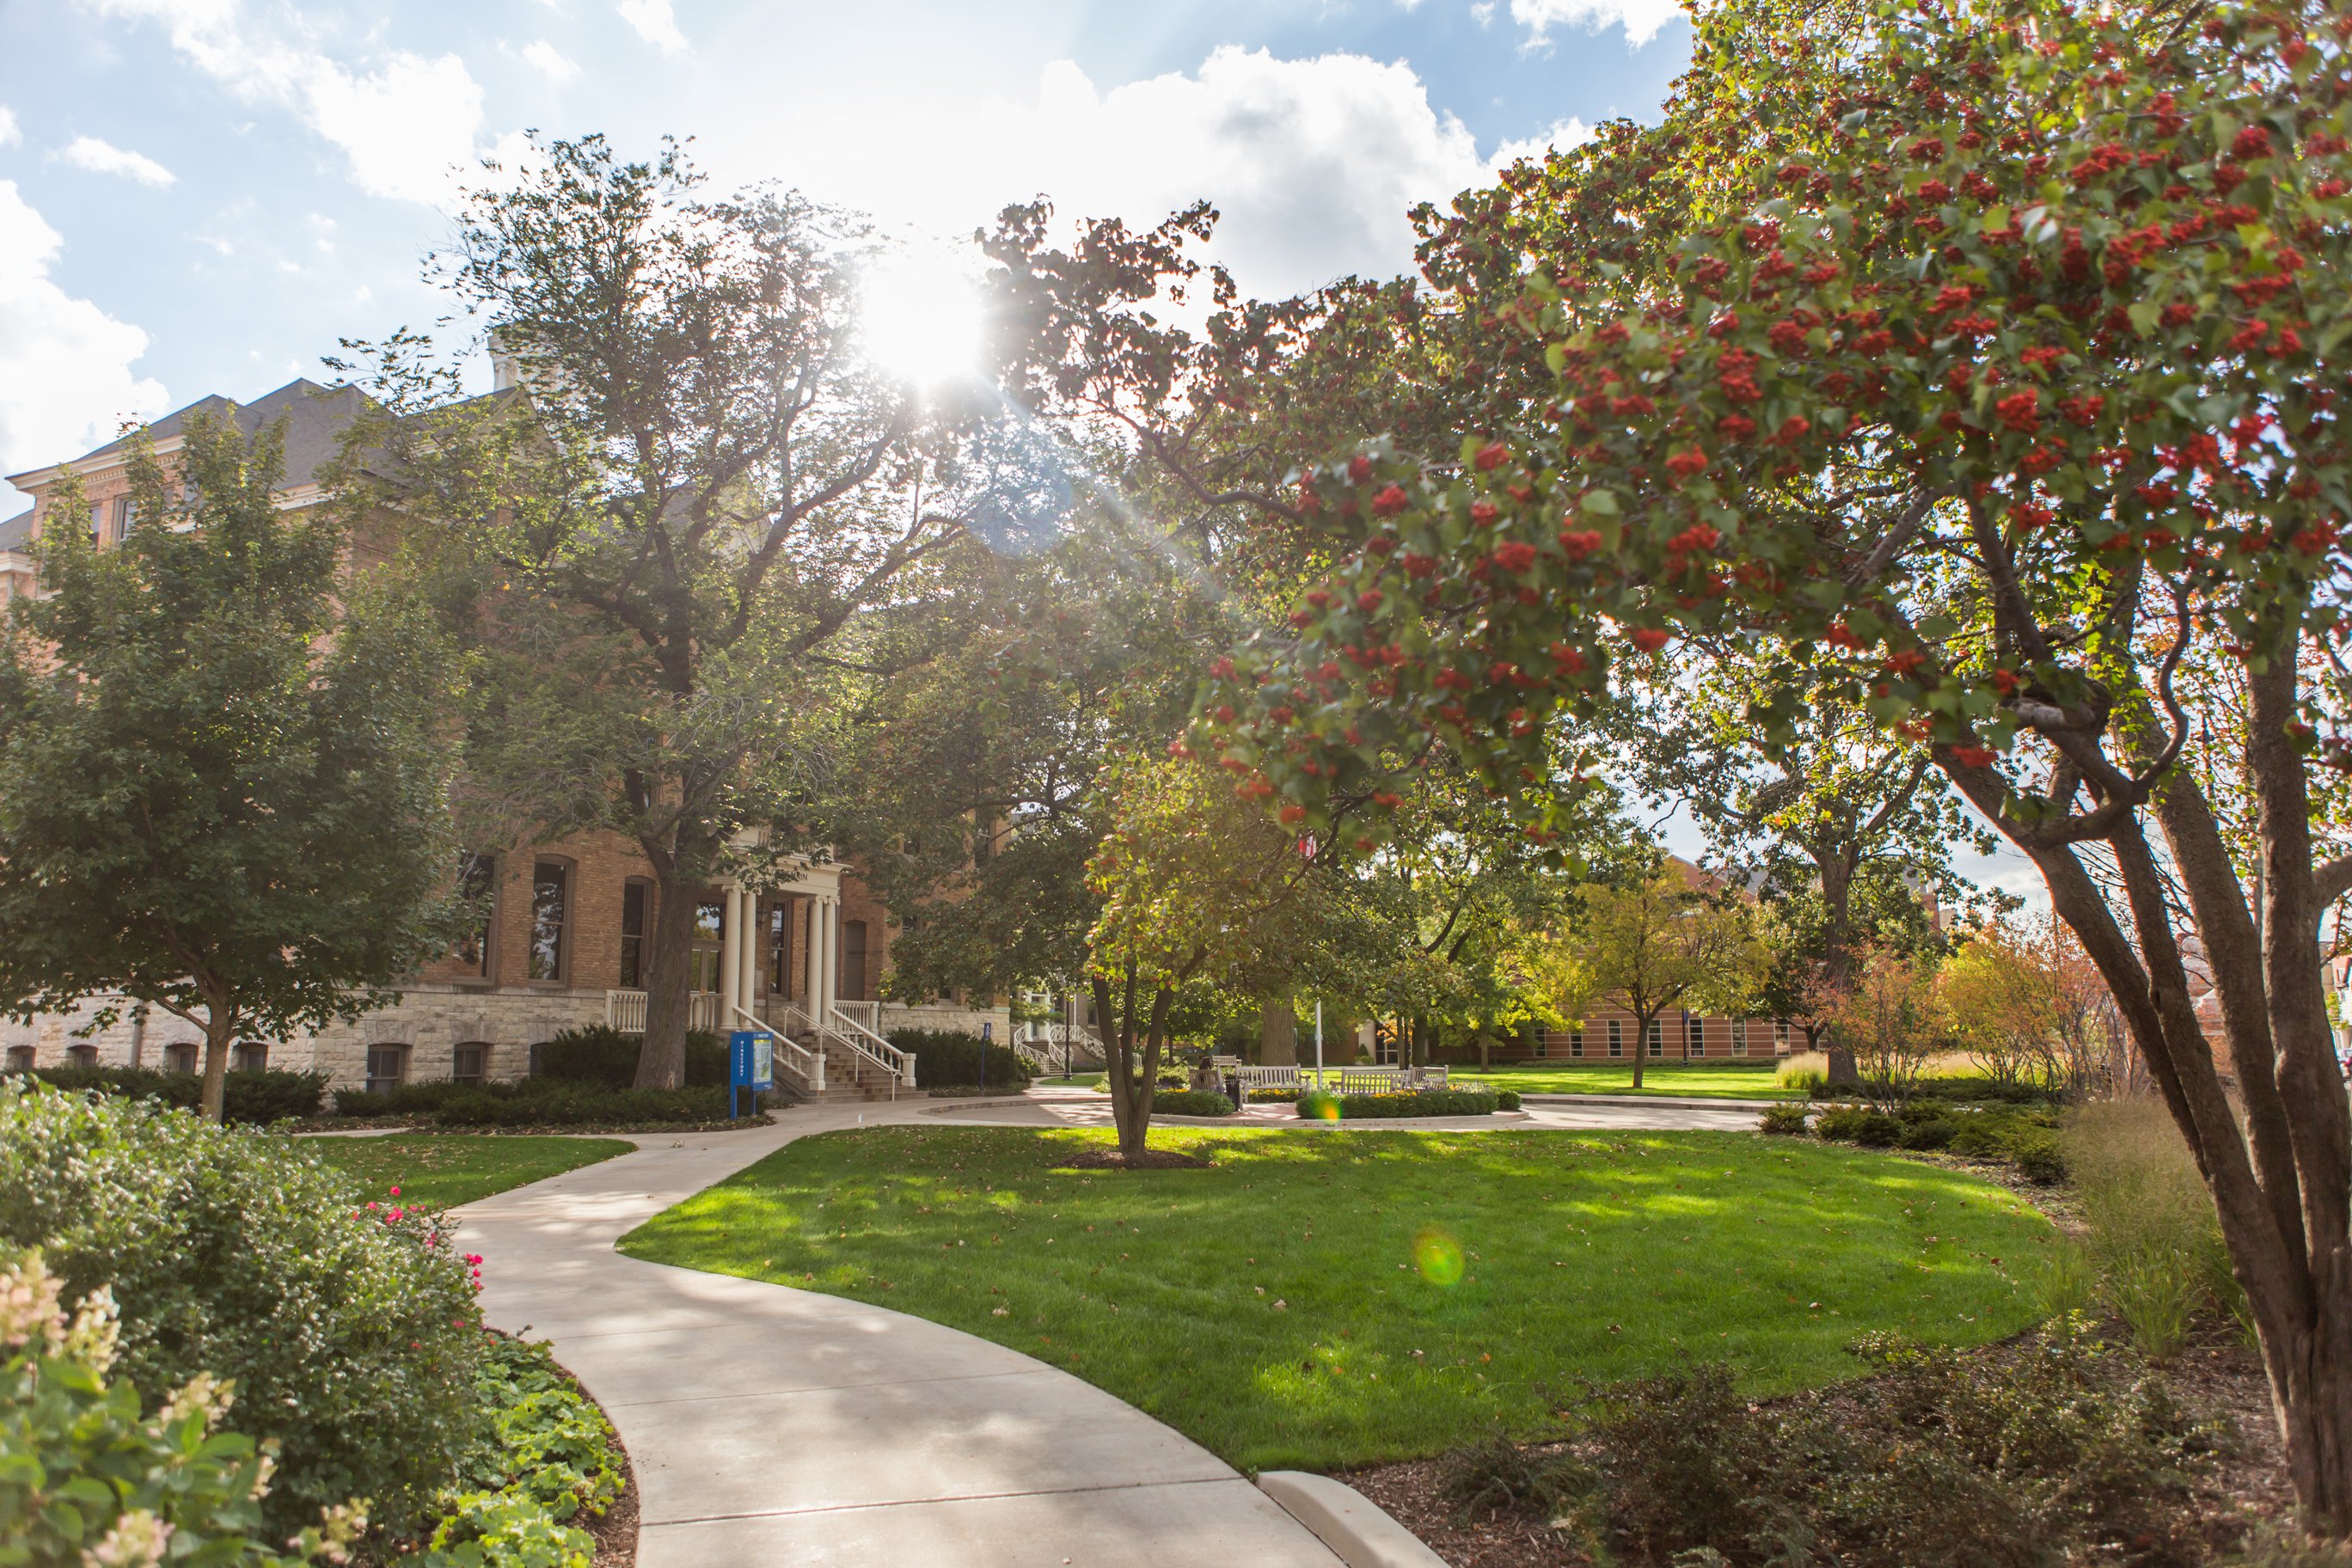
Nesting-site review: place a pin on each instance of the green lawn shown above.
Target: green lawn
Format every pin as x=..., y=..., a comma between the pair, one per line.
x=1724, y=1082
x=444, y=1170
x=1338, y=1298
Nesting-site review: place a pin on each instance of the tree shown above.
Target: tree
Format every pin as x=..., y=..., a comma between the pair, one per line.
x=222, y=778
x=670, y=530
x=1657, y=942
x=1886, y=1015
x=1991, y=353
x=1999, y=1001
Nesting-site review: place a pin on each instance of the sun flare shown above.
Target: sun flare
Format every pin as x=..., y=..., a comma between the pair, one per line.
x=922, y=316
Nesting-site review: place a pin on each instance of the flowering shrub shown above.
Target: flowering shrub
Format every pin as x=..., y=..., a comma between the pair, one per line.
x=348, y=1328
x=85, y=1476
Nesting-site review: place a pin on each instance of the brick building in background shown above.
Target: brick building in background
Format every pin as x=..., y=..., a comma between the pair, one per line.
x=566, y=940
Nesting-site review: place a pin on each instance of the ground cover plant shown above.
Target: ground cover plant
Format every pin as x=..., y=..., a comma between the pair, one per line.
x=1694, y=1082
x=444, y=1171
x=1328, y=1300
x=254, y=1097
x=549, y=1464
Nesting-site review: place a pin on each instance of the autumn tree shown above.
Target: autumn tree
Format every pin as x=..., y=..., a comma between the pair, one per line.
x=223, y=763
x=1989, y=357
x=674, y=531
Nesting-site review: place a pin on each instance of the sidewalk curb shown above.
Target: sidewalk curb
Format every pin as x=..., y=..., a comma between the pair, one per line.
x=1343, y=1519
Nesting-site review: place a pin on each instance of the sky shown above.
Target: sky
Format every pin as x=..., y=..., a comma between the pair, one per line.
x=203, y=196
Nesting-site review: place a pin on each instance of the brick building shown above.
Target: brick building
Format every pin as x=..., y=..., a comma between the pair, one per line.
x=570, y=922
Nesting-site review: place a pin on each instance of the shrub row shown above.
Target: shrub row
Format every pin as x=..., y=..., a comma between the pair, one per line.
x=1414, y=1102
x=2029, y=1142
x=350, y=1329
x=949, y=1059
x=1190, y=1102
x=255, y=1098
x=536, y=1102
x=602, y=1056
x=1960, y=1087
x=1942, y=1460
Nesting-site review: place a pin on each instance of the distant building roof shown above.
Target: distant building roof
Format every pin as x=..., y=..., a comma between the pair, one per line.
x=17, y=532
x=315, y=416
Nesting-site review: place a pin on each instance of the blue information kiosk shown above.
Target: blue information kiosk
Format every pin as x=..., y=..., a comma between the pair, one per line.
x=751, y=1064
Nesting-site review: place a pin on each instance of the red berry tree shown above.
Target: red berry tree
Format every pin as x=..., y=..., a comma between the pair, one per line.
x=1988, y=356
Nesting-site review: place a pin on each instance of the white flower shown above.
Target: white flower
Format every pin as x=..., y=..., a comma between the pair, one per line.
x=202, y=1394
x=28, y=1304
x=95, y=1331
x=137, y=1541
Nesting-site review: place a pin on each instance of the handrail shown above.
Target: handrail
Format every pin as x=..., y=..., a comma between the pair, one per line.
x=899, y=1064
x=626, y=1008
x=806, y=1065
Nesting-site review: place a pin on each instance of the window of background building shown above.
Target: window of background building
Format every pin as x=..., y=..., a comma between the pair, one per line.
x=1780, y=1033
x=1576, y=1042
x=252, y=1056
x=87, y=1056
x=477, y=884
x=20, y=1059
x=177, y=1058
x=1657, y=1036
x=709, y=932
x=779, y=948
x=1739, y=1037
x=387, y=1066
x=551, y=886
x=1616, y=1038
x=637, y=899
x=1698, y=1035
x=469, y=1062
x=126, y=513
x=853, y=961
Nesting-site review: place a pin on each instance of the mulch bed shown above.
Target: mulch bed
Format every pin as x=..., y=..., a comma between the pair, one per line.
x=1112, y=1159
x=615, y=1535
x=2216, y=1376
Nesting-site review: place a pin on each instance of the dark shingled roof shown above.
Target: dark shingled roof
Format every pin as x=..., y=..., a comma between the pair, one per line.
x=17, y=532
x=314, y=415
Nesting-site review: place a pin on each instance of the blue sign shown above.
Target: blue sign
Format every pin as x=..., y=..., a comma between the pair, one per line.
x=751, y=1059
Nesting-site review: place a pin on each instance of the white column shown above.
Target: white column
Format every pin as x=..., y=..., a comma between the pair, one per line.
x=829, y=977
x=808, y=961
x=754, y=946
x=730, y=957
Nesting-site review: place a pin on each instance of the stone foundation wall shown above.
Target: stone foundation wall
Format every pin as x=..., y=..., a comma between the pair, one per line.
x=947, y=1017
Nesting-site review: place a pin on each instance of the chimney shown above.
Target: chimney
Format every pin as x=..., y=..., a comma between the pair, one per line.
x=506, y=370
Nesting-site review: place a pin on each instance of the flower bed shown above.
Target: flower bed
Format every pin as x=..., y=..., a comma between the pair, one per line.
x=1414, y=1102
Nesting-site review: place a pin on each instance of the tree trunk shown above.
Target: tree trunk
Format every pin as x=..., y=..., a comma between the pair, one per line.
x=661, y=1059
x=220, y=1033
x=1641, y=1046
x=1278, y=1030
x=1131, y=1092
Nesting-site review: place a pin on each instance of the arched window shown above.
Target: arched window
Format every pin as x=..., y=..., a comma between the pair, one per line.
x=636, y=918
x=550, y=916
x=387, y=1067
x=469, y=1062
x=251, y=1055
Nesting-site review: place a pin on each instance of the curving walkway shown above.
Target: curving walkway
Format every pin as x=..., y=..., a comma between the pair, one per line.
x=770, y=1425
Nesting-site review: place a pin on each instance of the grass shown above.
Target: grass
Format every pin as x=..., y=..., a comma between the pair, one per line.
x=1331, y=1300
x=445, y=1169
x=1694, y=1082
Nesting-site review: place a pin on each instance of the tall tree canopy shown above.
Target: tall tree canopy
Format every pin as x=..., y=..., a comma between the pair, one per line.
x=222, y=767
x=1986, y=354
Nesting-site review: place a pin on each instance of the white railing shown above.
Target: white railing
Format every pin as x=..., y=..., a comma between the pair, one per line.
x=1345, y=1080
x=805, y=1066
x=869, y=1044
x=867, y=1014
x=1056, y=1042
x=1041, y=1061
x=624, y=1010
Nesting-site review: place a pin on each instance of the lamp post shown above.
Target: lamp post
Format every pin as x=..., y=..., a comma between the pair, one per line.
x=1319, y=1044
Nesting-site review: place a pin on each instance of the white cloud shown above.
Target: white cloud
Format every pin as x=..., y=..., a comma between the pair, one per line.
x=408, y=127
x=549, y=62
x=1640, y=18
x=66, y=381
x=653, y=24
x=103, y=158
x=9, y=135
x=1312, y=162
x=1564, y=134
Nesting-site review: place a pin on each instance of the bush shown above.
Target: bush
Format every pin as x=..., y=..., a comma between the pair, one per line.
x=1190, y=1102
x=1929, y=1132
x=948, y=1058
x=1942, y=1460
x=538, y=1102
x=1411, y=1102
x=348, y=1331
x=601, y=1055
x=1506, y=1100
x=1807, y=1072
x=85, y=1479
x=1786, y=1120
x=258, y=1097
x=1855, y=1124
x=2037, y=1156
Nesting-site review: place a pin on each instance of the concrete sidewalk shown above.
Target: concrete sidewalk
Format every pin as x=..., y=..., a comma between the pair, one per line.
x=770, y=1425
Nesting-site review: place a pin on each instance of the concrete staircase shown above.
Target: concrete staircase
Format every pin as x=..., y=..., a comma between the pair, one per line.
x=849, y=1077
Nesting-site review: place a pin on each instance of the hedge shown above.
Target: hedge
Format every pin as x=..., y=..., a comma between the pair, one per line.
x=602, y=1056
x=1190, y=1102
x=256, y=1097
x=536, y=1102
x=349, y=1326
x=950, y=1058
x=1416, y=1102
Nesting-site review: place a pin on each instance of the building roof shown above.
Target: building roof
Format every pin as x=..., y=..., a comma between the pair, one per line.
x=16, y=532
x=315, y=418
